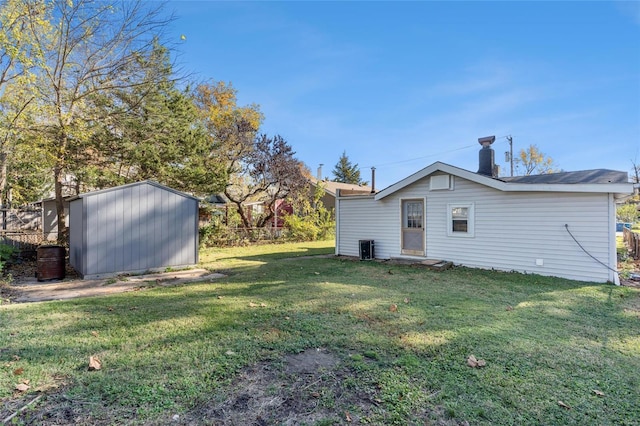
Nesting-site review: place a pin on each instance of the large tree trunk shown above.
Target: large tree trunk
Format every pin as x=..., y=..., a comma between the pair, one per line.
x=58, y=176
x=3, y=179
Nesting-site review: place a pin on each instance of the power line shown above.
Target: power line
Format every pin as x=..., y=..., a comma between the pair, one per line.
x=393, y=163
x=422, y=158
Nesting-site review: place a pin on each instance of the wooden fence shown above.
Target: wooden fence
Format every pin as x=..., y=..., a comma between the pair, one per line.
x=25, y=242
x=632, y=240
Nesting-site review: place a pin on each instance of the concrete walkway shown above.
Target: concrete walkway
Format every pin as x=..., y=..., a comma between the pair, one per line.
x=37, y=291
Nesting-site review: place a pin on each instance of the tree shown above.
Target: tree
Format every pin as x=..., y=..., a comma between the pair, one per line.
x=94, y=49
x=150, y=131
x=346, y=172
x=635, y=170
x=19, y=56
x=627, y=212
x=532, y=161
x=267, y=172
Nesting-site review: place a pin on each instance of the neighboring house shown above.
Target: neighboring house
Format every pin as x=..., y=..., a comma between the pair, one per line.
x=330, y=189
x=213, y=205
x=132, y=228
x=525, y=224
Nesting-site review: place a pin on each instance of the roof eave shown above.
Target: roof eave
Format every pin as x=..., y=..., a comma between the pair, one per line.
x=619, y=189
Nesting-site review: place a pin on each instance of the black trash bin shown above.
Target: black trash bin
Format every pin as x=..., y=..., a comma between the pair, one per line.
x=51, y=262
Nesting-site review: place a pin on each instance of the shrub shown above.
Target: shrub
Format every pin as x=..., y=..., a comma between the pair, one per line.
x=6, y=251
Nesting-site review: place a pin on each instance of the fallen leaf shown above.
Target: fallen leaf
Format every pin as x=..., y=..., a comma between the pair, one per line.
x=21, y=387
x=406, y=300
x=347, y=416
x=563, y=405
x=598, y=392
x=472, y=361
x=94, y=363
x=509, y=308
x=94, y=333
x=393, y=308
x=315, y=394
x=18, y=371
x=16, y=358
x=230, y=353
x=287, y=318
x=220, y=297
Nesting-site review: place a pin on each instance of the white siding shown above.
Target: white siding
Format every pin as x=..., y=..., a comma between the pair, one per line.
x=367, y=219
x=513, y=230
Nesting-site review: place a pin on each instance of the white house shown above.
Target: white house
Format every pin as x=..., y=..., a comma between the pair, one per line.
x=560, y=224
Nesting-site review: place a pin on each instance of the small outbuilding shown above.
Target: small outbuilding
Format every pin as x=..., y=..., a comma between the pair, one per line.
x=559, y=224
x=131, y=229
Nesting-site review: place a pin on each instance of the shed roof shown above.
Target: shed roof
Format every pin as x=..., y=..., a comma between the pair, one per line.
x=144, y=182
x=595, y=181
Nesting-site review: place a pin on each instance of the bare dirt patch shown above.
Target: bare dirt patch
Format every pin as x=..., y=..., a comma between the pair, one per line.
x=311, y=387
x=308, y=388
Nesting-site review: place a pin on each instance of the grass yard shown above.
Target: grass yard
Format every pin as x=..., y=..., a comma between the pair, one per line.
x=324, y=341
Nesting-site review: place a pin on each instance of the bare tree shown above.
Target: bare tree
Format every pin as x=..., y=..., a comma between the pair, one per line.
x=268, y=172
x=635, y=169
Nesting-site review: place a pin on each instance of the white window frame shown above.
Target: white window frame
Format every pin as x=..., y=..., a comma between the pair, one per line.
x=470, y=220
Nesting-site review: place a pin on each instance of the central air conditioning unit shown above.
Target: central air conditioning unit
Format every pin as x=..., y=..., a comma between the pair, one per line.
x=367, y=250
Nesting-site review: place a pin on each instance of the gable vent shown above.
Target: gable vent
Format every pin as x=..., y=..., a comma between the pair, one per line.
x=440, y=182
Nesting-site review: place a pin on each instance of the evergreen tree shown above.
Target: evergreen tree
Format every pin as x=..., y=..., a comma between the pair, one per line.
x=346, y=172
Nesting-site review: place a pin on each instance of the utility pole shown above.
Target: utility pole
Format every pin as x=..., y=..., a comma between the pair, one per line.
x=510, y=139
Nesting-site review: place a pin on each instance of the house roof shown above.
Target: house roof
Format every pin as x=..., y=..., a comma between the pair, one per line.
x=116, y=188
x=596, y=181
x=216, y=199
x=579, y=177
x=331, y=187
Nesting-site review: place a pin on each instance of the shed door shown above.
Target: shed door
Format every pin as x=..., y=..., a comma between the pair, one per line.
x=413, y=227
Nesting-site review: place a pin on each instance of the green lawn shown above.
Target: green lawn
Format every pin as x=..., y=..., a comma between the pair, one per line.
x=171, y=351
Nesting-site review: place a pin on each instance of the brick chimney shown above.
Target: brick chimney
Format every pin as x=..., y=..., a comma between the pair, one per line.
x=487, y=164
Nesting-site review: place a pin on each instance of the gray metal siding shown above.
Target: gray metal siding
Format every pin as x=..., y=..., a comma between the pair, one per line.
x=138, y=227
x=76, y=236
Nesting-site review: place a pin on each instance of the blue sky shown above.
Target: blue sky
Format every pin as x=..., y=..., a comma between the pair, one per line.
x=401, y=85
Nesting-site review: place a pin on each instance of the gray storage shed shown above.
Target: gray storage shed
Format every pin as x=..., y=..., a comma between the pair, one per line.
x=131, y=229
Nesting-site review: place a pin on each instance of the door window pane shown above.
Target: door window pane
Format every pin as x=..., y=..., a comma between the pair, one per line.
x=413, y=214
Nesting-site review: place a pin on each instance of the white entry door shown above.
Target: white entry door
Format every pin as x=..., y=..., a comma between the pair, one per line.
x=413, y=227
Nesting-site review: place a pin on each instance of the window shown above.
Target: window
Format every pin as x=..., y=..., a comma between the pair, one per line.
x=413, y=214
x=460, y=220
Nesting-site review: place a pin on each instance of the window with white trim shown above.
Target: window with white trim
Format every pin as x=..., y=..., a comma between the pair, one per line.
x=460, y=220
